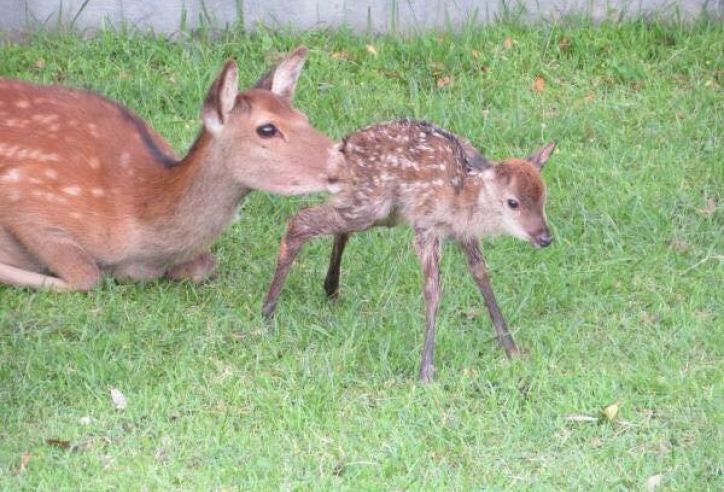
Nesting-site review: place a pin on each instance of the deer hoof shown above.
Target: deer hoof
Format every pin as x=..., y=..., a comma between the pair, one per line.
x=426, y=373
x=516, y=353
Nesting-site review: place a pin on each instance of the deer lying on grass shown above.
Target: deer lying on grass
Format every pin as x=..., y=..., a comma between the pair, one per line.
x=413, y=171
x=86, y=186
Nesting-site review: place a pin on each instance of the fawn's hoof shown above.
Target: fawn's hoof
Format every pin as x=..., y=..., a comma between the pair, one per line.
x=426, y=373
x=516, y=353
x=331, y=290
x=267, y=311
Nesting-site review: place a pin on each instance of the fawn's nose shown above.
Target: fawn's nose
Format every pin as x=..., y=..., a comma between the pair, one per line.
x=543, y=238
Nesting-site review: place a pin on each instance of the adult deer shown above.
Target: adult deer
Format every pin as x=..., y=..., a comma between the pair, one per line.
x=415, y=172
x=86, y=186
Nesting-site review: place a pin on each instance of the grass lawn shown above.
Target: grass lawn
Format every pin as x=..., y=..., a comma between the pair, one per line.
x=625, y=307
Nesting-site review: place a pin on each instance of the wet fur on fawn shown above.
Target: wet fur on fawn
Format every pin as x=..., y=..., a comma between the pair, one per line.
x=86, y=186
x=414, y=172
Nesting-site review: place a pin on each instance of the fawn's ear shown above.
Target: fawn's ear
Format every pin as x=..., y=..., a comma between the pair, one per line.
x=475, y=162
x=221, y=98
x=282, y=79
x=540, y=156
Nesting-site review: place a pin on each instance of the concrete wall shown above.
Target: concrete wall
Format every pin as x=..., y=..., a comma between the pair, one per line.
x=168, y=16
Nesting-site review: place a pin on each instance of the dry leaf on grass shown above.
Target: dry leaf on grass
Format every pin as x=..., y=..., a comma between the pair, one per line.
x=507, y=42
x=58, y=443
x=539, y=84
x=119, y=399
x=340, y=55
x=24, y=460
x=475, y=54
x=679, y=245
x=610, y=412
x=39, y=63
x=371, y=50
x=444, y=81
x=564, y=43
x=653, y=481
x=709, y=207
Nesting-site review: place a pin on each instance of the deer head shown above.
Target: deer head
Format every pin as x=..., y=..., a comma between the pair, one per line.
x=519, y=194
x=262, y=140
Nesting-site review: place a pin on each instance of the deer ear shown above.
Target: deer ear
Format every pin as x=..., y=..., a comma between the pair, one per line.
x=540, y=156
x=221, y=98
x=282, y=79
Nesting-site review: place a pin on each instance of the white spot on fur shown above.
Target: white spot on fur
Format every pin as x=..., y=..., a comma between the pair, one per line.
x=11, y=176
x=94, y=163
x=51, y=173
x=92, y=129
x=16, y=123
x=73, y=190
x=76, y=215
x=125, y=159
x=45, y=119
x=22, y=104
x=98, y=192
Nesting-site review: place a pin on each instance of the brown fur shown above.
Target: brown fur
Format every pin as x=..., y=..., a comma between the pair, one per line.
x=415, y=172
x=85, y=185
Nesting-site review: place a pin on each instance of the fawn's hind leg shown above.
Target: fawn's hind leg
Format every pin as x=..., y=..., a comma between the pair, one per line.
x=59, y=254
x=331, y=281
x=306, y=224
x=476, y=264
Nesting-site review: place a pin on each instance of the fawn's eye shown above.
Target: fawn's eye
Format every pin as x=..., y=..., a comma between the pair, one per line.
x=513, y=203
x=266, y=131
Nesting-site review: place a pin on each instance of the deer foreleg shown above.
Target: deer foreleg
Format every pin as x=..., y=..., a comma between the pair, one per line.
x=427, y=247
x=476, y=264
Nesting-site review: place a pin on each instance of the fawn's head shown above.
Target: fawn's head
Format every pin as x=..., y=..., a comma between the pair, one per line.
x=262, y=140
x=519, y=193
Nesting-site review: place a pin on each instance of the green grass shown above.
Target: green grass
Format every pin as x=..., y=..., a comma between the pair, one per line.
x=625, y=307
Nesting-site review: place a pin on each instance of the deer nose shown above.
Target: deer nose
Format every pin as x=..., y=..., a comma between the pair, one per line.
x=543, y=238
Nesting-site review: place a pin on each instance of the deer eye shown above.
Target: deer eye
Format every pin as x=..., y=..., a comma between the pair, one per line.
x=266, y=131
x=513, y=203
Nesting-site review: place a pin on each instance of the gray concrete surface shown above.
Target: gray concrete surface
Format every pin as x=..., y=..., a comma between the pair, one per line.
x=170, y=16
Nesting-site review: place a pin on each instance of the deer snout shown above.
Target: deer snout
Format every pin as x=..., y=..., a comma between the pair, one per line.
x=543, y=238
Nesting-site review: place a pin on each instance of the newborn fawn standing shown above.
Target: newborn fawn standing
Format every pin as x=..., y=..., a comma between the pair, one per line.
x=86, y=186
x=412, y=171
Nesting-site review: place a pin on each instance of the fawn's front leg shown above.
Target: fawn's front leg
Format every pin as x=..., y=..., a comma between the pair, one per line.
x=427, y=247
x=331, y=281
x=476, y=264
